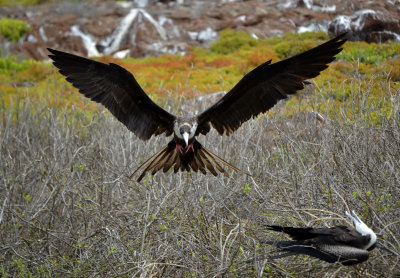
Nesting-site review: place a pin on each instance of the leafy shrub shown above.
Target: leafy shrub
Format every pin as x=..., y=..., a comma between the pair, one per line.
x=203, y=71
x=11, y=63
x=289, y=44
x=369, y=53
x=230, y=41
x=394, y=69
x=22, y=2
x=295, y=38
x=13, y=29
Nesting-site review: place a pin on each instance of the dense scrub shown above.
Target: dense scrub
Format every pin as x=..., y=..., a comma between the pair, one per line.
x=13, y=29
x=207, y=71
x=68, y=209
x=22, y=2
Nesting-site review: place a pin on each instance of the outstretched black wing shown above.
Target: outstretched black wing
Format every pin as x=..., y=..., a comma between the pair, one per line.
x=263, y=87
x=116, y=89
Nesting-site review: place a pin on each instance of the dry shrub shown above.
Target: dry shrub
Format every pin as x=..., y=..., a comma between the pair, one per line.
x=68, y=209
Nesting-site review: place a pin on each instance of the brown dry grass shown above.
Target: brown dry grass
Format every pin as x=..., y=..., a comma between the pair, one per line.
x=67, y=208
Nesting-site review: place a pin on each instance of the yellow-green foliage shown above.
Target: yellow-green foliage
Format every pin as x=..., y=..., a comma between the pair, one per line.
x=291, y=43
x=393, y=66
x=13, y=29
x=231, y=40
x=11, y=64
x=369, y=53
x=22, y=2
x=341, y=86
x=14, y=73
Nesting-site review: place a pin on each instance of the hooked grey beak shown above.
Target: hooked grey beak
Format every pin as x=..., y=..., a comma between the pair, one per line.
x=186, y=138
x=354, y=217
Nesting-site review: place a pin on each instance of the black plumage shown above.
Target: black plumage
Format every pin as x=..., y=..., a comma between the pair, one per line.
x=258, y=91
x=343, y=244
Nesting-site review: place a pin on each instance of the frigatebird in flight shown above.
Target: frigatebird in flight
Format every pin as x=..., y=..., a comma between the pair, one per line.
x=347, y=245
x=258, y=91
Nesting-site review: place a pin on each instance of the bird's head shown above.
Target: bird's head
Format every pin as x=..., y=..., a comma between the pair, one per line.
x=185, y=128
x=362, y=228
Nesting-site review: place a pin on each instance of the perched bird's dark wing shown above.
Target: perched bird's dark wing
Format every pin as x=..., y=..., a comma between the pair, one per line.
x=117, y=89
x=337, y=235
x=294, y=247
x=335, y=244
x=294, y=233
x=351, y=237
x=263, y=87
x=347, y=255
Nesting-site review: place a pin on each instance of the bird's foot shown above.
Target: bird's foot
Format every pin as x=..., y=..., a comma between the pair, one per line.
x=190, y=146
x=179, y=148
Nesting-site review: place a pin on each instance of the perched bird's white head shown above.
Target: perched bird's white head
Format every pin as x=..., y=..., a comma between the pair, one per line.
x=362, y=228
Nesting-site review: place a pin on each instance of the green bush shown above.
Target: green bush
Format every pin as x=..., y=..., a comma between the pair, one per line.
x=11, y=63
x=296, y=38
x=369, y=53
x=230, y=41
x=13, y=29
x=22, y=2
x=291, y=43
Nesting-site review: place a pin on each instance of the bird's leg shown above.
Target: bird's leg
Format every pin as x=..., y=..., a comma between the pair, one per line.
x=179, y=148
x=190, y=146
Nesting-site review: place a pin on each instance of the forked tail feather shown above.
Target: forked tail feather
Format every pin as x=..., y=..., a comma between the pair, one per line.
x=199, y=159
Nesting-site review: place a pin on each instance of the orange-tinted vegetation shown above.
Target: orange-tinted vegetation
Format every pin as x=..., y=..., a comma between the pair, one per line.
x=204, y=71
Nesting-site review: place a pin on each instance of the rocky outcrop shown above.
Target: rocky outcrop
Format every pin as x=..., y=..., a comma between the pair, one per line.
x=154, y=27
x=367, y=25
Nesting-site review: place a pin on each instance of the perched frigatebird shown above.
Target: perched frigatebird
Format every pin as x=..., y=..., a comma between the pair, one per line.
x=259, y=90
x=347, y=245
